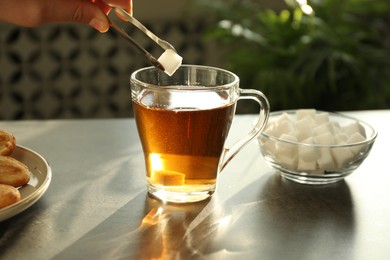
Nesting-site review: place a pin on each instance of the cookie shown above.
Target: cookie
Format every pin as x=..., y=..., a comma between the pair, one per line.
x=7, y=143
x=13, y=172
x=8, y=195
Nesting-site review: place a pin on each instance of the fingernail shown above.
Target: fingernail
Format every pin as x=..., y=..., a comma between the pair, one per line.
x=99, y=25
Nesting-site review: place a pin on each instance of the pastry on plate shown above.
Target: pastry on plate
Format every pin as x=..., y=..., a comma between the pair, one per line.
x=7, y=143
x=13, y=172
x=8, y=195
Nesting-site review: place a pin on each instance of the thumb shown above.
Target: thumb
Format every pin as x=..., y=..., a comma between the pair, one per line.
x=94, y=15
x=97, y=22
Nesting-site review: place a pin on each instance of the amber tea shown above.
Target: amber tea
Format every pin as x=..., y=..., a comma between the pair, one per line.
x=182, y=146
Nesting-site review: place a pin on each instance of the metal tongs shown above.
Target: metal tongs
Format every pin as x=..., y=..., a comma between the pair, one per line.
x=163, y=44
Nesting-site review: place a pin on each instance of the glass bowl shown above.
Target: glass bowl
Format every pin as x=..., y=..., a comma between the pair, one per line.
x=315, y=147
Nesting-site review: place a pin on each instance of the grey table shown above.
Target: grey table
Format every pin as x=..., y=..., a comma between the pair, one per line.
x=97, y=207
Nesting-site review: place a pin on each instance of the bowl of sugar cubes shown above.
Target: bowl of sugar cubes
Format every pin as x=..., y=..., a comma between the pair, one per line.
x=309, y=146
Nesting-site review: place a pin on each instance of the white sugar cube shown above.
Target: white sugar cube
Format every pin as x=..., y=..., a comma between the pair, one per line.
x=326, y=162
x=269, y=128
x=342, y=156
x=304, y=128
x=302, y=113
x=336, y=126
x=171, y=61
x=287, y=148
x=307, y=165
x=352, y=128
x=321, y=118
x=324, y=128
x=325, y=139
x=283, y=117
x=356, y=138
x=283, y=127
x=269, y=147
x=341, y=138
x=287, y=161
x=308, y=152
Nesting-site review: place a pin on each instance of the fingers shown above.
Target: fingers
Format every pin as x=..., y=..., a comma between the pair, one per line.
x=79, y=11
x=106, y=5
x=38, y=12
x=127, y=5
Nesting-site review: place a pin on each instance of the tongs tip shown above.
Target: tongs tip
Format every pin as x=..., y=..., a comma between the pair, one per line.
x=156, y=63
x=163, y=44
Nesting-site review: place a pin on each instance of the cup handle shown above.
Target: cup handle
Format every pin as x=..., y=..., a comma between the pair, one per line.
x=259, y=97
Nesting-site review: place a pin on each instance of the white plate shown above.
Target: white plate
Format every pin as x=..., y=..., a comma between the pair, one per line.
x=39, y=181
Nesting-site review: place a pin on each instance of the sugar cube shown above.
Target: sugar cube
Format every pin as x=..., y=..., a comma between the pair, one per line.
x=342, y=156
x=269, y=128
x=171, y=61
x=286, y=148
x=282, y=118
x=304, y=128
x=321, y=118
x=324, y=128
x=168, y=178
x=306, y=165
x=341, y=138
x=324, y=139
x=326, y=161
x=287, y=161
x=269, y=147
x=283, y=127
x=352, y=128
x=308, y=152
x=356, y=138
x=301, y=113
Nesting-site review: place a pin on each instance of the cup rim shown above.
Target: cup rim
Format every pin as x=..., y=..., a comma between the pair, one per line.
x=234, y=82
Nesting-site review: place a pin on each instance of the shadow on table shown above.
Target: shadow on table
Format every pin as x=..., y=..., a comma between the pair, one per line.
x=279, y=219
x=271, y=217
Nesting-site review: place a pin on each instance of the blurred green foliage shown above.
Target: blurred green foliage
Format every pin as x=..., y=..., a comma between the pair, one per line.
x=336, y=57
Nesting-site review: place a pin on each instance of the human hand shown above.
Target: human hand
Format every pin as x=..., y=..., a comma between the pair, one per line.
x=31, y=13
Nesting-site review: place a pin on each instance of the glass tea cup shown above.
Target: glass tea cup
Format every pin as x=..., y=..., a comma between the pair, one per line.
x=183, y=121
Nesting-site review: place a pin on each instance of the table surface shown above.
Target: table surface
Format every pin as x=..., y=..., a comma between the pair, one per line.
x=97, y=206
